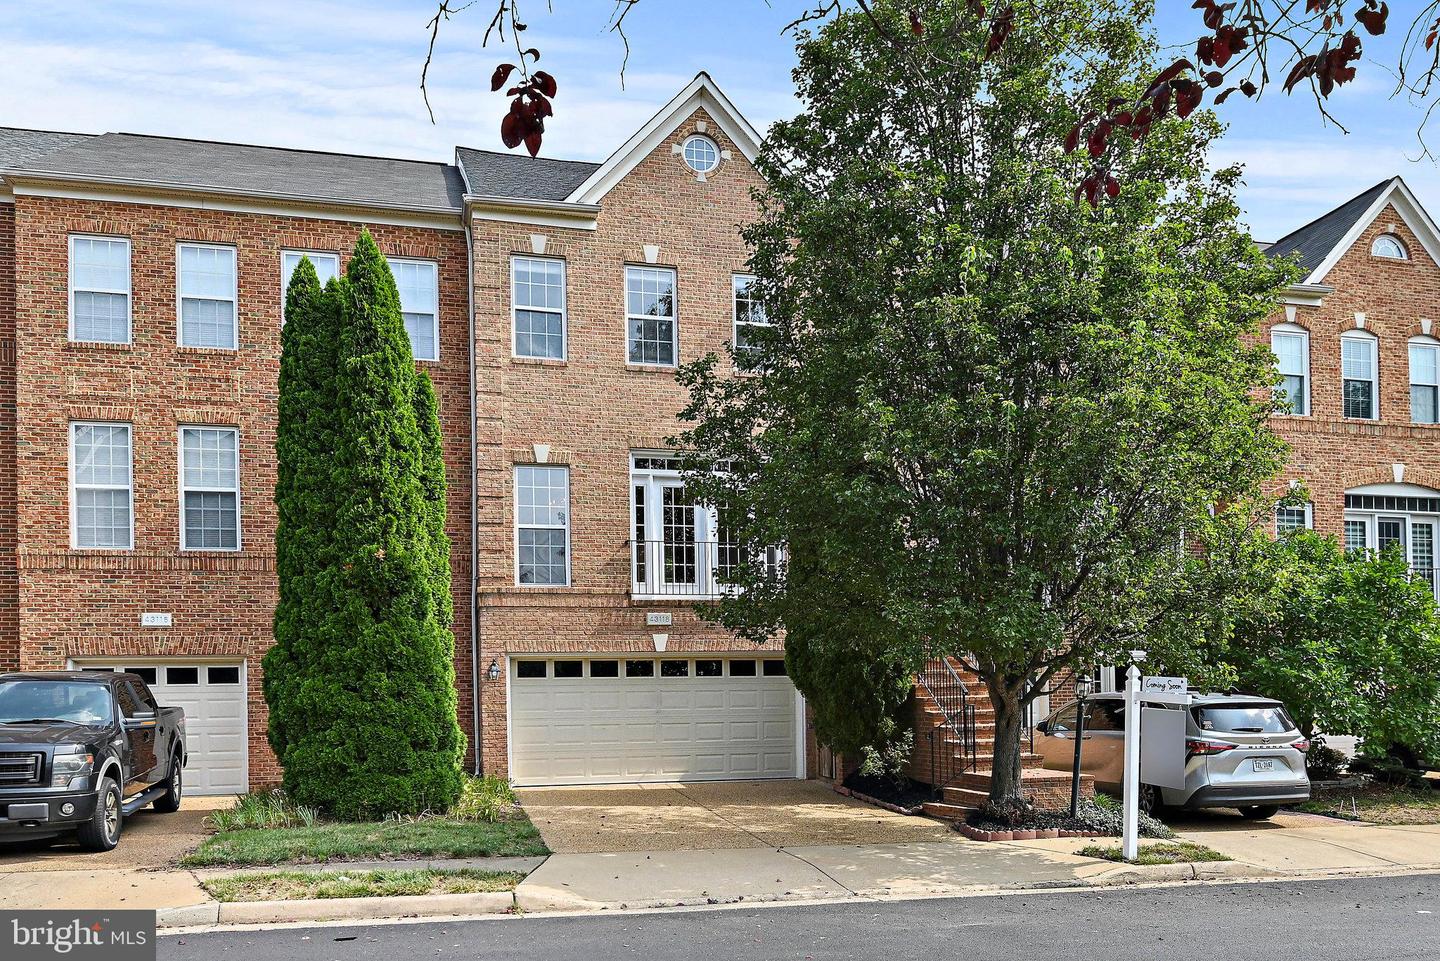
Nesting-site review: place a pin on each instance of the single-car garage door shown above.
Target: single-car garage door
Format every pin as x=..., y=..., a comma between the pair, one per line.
x=617, y=720
x=213, y=696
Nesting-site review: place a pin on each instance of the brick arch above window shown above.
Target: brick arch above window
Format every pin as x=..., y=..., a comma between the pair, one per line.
x=1385, y=474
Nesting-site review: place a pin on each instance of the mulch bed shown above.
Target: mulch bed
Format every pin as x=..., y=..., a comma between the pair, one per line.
x=903, y=798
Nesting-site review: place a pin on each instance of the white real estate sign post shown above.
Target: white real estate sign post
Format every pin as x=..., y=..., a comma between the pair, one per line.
x=1168, y=743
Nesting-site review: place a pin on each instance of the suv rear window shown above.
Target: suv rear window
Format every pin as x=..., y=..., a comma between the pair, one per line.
x=1244, y=719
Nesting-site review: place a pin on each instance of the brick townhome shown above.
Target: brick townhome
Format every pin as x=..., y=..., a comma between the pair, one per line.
x=141, y=284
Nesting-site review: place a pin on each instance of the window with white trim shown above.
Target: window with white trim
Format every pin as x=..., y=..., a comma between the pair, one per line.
x=1292, y=517
x=542, y=526
x=99, y=289
x=749, y=314
x=701, y=154
x=419, y=284
x=537, y=287
x=327, y=268
x=101, y=486
x=1360, y=375
x=207, y=296
x=650, y=316
x=1424, y=381
x=1390, y=247
x=1291, y=345
x=209, y=489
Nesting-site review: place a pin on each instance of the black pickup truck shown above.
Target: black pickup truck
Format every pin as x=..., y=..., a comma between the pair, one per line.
x=83, y=750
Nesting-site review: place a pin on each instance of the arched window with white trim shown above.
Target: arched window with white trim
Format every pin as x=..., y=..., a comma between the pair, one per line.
x=1360, y=375
x=1400, y=517
x=1424, y=380
x=1389, y=247
x=1291, y=345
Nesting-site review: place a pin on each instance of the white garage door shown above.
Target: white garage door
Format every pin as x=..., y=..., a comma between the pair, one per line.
x=214, y=699
x=609, y=720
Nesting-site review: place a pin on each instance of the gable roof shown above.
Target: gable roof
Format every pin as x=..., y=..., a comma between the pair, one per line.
x=276, y=173
x=19, y=146
x=489, y=173
x=1314, y=242
x=700, y=92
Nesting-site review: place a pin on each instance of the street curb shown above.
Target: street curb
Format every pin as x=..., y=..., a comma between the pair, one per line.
x=188, y=915
x=1189, y=871
x=337, y=909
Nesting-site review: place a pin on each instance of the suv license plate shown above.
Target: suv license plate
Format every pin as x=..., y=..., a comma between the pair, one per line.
x=1264, y=764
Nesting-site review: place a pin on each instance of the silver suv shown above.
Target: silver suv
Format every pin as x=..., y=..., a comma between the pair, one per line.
x=1240, y=751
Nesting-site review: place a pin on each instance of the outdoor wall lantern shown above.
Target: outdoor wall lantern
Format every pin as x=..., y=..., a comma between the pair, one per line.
x=493, y=671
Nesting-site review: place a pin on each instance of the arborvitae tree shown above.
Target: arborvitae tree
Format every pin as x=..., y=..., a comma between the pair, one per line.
x=370, y=728
x=427, y=417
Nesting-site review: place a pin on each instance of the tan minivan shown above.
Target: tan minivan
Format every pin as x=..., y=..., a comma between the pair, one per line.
x=1240, y=751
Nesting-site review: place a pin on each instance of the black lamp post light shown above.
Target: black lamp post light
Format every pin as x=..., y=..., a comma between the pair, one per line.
x=1083, y=686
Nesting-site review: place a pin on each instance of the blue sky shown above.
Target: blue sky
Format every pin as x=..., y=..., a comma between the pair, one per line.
x=342, y=75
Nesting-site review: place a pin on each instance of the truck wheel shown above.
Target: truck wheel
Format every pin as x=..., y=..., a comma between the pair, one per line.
x=169, y=802
x=1260, y=812
x=102, y=831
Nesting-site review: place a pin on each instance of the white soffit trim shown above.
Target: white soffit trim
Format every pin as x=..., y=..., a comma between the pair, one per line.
x=1414, y=216
x=1306, y=295
x=700, y=92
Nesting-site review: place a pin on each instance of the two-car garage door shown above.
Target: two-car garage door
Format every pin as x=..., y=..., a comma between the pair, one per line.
x=638, y=719
x=214, y=699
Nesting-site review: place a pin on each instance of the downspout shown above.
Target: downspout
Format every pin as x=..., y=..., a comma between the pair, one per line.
x=474, y=505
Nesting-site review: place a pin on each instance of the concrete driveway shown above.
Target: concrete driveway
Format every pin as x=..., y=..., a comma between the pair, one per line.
x=697, y=816
x=150, y=840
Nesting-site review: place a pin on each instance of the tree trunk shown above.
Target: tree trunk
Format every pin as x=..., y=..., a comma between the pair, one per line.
x=1009, y=728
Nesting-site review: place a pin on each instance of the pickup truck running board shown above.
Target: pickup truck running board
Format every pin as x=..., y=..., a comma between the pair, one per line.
x=140, y=800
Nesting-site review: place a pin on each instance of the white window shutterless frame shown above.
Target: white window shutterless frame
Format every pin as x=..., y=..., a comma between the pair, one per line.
x=651, y=328
x=1291, y=346
x=99, y=282
x=1360, y=376
x=209, y=489
x=327, y=267
x=1424, y=381
x=542, y=526
x=206, y=296
x=537, y=307
x=419, y=284
x=102, y=514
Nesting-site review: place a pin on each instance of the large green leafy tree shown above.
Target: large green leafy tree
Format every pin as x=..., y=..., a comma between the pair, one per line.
x=361, y=680
x=987, y=417
x=1349, y=641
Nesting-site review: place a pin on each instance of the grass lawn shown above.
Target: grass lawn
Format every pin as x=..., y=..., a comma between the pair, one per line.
x=1165, y=852
x=384, y=840
x=1379, y=803
x=302, y=885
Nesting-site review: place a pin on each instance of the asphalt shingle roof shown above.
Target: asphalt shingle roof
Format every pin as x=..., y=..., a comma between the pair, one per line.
x=493, y=174
x=19, y=146
x=245, y=169
x=1314, y=241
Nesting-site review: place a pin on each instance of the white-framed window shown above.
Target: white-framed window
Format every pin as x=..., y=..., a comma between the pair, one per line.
x=1360, y=375
x=99, y=289
x=102, y=512
x=1293, y=517
x=1357, y=534
x=1291, y=345
x=749, y=313
x=327, y=267
x=209, y=489
x=1424, y=381
x=1390, y=247
x=1396, y=517
x=701, y=154
x=537, y=287
x=542, y=526
x=651, y=330
x=419, y=285
x=206, y=296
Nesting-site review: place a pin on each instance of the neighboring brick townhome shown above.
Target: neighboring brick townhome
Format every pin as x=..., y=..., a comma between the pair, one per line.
x=141, y=282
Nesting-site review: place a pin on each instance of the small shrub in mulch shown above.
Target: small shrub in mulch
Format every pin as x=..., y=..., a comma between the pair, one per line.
x=901, y=792
x=1100, y=815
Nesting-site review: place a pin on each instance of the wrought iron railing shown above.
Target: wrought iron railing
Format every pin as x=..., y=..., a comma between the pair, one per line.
x=952, y=743
x=688, y=568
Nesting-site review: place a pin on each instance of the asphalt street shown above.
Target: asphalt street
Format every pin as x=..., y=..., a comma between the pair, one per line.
x=1392, y=918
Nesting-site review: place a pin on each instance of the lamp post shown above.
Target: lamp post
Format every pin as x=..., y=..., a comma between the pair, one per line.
x=1083, y=685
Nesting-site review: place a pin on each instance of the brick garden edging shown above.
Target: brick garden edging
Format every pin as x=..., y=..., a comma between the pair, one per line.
x=847, y=792
x=1043, y=834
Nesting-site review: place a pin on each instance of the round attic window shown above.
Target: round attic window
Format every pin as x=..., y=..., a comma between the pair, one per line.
x=1389, y=247
x=701, y=154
